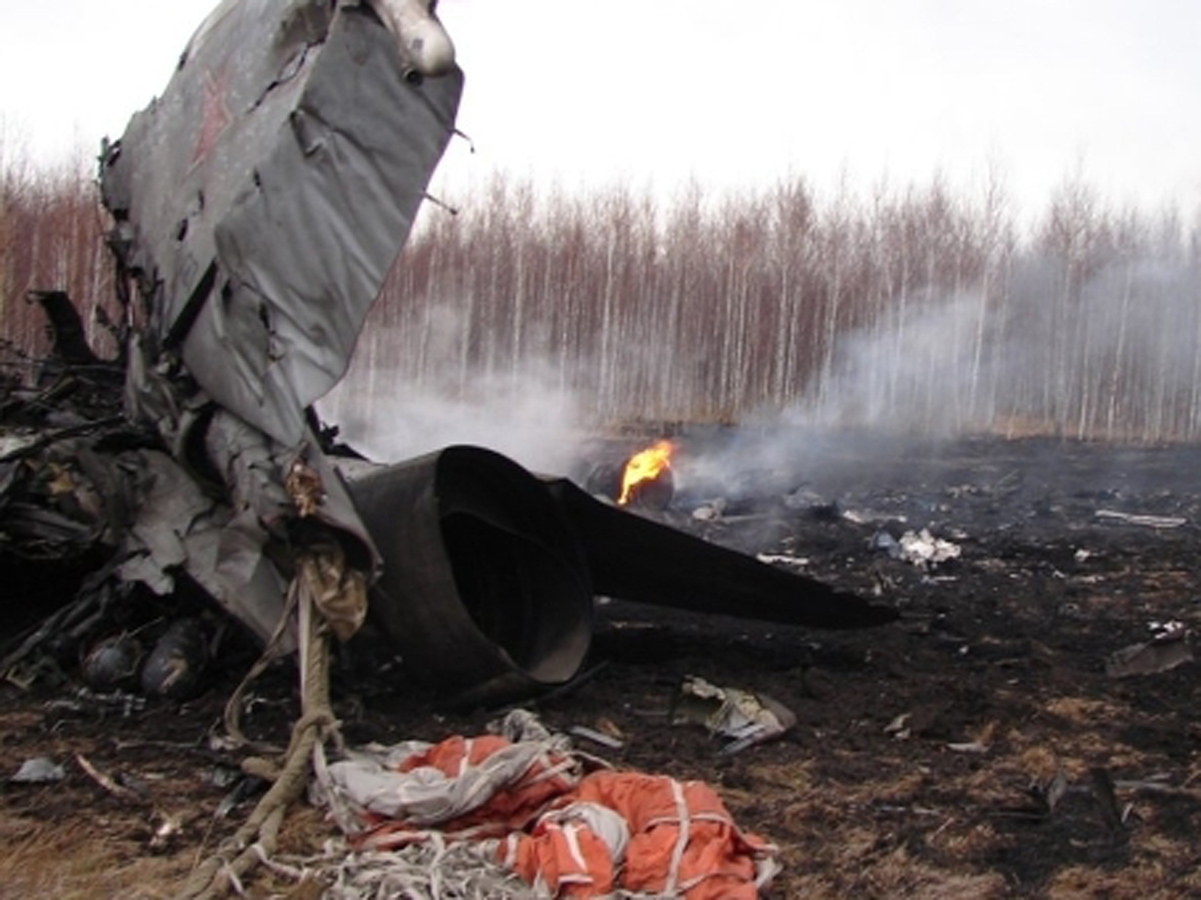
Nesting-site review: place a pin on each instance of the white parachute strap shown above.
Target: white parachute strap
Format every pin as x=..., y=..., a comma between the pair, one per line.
x=677, y=853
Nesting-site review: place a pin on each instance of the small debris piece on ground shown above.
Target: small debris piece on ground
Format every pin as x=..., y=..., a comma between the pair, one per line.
x=746, y=718
x=39, y=770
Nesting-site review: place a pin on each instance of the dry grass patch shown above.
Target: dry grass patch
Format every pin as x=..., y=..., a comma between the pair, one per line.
x=77, y=862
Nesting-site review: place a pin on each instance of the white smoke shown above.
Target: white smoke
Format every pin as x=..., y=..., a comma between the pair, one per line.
x=1118, y=360
x=392, y=408
x=928, y=375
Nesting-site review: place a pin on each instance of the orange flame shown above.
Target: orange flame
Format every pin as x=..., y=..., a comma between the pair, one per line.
x=645, y=465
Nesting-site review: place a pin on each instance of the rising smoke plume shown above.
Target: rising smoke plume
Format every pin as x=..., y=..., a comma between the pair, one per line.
x=387, y=411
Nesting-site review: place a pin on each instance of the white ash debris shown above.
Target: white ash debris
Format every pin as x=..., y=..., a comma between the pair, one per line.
x=920, y=548
x=783, y=559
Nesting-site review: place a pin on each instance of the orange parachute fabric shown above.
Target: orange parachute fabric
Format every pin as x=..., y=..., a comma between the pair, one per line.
x=682, y=842
x=585, y=837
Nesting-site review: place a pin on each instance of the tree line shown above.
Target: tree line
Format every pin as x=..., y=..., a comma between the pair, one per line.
x=920, y=306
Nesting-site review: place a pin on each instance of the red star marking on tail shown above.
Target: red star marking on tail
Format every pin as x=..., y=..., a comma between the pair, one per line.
x=216, y=114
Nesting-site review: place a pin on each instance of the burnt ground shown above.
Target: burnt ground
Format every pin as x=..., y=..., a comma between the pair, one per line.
x=923, y=750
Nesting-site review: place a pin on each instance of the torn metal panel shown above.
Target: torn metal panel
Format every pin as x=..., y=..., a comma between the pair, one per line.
x=261, y=478
x=170, y=507
x=260, y=203
x=1161, y=654
x=264, y=197
x=223, y=540
x=178, y=529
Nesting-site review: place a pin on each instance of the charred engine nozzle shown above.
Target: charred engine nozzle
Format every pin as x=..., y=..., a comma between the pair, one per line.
x=485, y=589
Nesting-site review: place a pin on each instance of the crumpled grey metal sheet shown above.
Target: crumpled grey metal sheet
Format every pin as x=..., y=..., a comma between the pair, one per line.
x=178, y=529
x=265, y=196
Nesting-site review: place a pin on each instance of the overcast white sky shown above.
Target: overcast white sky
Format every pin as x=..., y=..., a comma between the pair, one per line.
x=653, y=91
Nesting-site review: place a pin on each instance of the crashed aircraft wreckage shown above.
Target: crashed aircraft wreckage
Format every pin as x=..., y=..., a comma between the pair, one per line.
x=258, y=205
